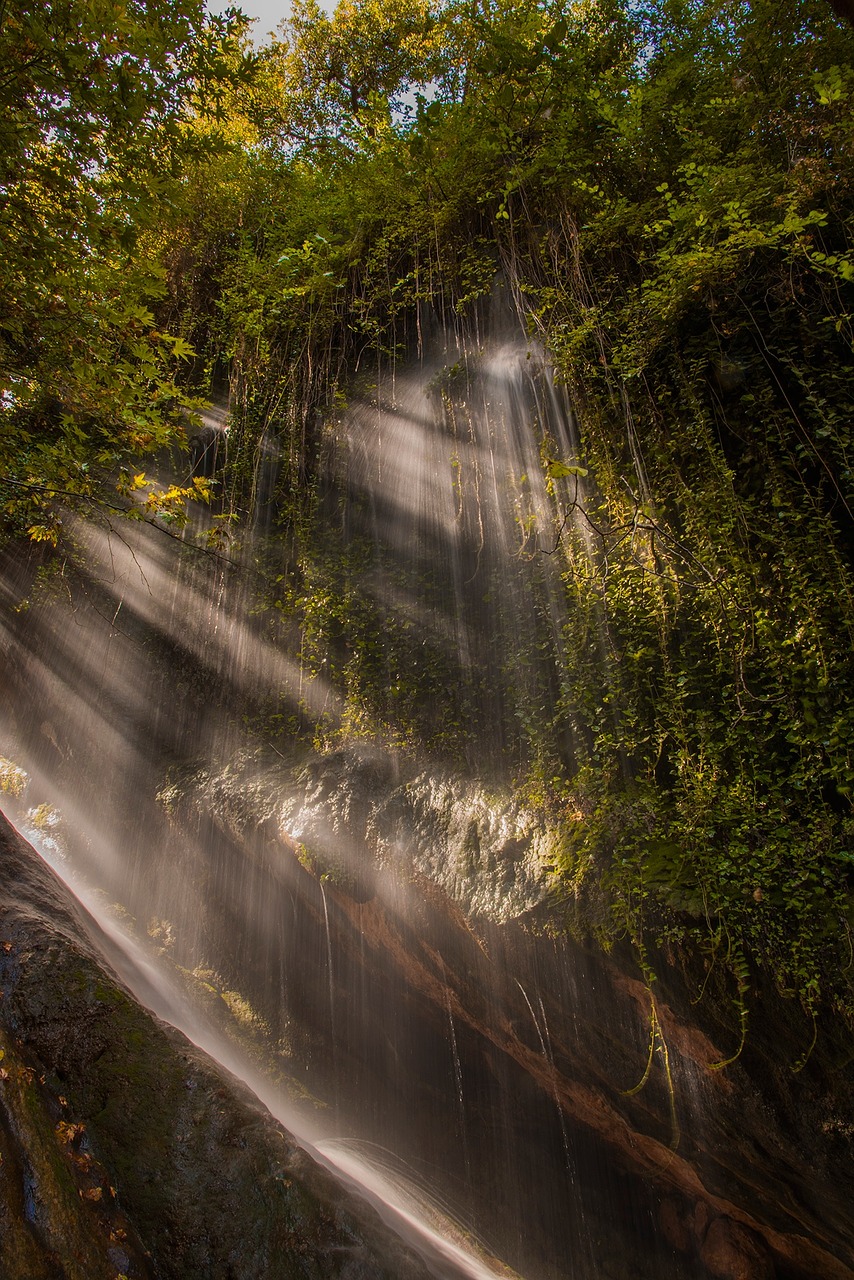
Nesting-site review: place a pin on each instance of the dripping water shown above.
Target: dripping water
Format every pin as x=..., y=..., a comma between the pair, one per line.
x=545, y=1045
x=415, y=1216
x=330, y=977
x=193, y=728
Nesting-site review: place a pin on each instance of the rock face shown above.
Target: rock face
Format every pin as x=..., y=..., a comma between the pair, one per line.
x=125, y=1151
x=486, y=852
x=384, y=931
x=421, y=889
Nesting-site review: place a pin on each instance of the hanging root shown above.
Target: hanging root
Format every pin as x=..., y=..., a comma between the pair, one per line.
x=805, y=1056
x=739, y=967
x=657, y=1043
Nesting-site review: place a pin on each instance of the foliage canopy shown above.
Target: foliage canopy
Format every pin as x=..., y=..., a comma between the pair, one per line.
x=99, y=105
x=667, y=187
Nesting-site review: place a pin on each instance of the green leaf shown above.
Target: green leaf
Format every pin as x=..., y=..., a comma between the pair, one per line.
x=556, y=36
x=560, y=470
x=181, y=348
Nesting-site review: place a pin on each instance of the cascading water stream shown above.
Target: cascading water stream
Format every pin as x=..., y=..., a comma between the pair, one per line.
x=283, y=783
x=415, y=1217
x=545, y=1043
x=332, y=1035
x=146, y=667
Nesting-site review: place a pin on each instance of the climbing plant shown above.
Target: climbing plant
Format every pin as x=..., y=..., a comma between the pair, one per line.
x=666, y=191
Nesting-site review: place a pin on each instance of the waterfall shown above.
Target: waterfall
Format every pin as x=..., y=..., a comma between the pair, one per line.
x=287, y=787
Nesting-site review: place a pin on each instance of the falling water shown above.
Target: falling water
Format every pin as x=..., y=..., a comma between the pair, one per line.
x=416, y=1217
x=242, y=790
x=164, y=709
x=332, y=1036
x=460, y=1087
x=545, y=1043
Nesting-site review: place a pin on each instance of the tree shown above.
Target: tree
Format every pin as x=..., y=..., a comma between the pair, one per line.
x=97, y=104
x=340, y=77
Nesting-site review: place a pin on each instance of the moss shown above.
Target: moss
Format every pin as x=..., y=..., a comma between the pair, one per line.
x=44, y=817
x=244, y=1013
x=61, y=1212
x=13, y=779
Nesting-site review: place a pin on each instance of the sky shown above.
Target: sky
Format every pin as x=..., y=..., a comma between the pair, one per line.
x=268, y=12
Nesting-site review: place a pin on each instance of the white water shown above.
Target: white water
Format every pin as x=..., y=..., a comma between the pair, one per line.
x=417, y=1220
x=154, y=665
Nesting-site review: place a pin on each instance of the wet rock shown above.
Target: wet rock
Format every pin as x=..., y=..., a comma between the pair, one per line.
x=732, y=1252
x=124, y=1147
x=674, y=1226
x=433, y=901
x=488, y=853
x=351, y=814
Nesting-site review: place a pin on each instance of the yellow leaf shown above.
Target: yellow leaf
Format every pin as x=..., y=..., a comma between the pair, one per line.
x=67, y=1132
x=41, y=533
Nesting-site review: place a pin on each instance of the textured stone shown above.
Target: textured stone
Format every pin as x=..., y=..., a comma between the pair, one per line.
x=125, y=1150
x=731, y=1252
